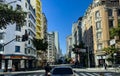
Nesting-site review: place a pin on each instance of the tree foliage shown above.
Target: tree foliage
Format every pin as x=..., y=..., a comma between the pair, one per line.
x=78, y=47
x=115, y=31
x=40, y=44
x=110, y=50
x=8, y=15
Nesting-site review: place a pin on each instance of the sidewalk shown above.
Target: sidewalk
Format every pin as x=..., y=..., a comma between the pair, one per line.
x=17, y=72
x=96, y=69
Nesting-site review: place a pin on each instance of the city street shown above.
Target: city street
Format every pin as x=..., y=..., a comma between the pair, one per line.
x=60, y=37
x=78, y=72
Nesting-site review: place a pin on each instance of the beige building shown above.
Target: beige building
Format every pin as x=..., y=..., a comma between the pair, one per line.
x=44, y=27
x=100, y=16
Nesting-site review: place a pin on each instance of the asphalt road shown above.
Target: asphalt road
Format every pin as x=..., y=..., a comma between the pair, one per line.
x=78, y=73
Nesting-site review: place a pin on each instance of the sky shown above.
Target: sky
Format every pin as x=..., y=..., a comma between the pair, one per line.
x=61, y=14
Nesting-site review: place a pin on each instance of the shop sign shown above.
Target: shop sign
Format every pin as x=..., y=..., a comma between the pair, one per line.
x=112, y=42
x=16, y=57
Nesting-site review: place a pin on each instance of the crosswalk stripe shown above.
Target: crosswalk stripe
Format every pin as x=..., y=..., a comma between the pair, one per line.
x=107, y=74
x=90, y=74
x=96, y=74
x=42, y=75
x=83, y=74
x=76, y=74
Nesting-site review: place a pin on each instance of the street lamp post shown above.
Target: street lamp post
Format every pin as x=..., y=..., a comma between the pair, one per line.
x=114, y=57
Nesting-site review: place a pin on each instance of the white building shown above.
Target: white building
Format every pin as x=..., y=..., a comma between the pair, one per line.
x=53, y=47
x=69, y=46
x=20, y=54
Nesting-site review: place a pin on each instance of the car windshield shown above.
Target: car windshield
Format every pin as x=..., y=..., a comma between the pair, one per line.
x=62, y=71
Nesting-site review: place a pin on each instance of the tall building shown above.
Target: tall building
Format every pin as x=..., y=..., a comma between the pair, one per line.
x=53, y=47
x=69, y=47
x=37, y=5
x=77, y=39
x=20, y=54
x=100, y=16
x=44, y=26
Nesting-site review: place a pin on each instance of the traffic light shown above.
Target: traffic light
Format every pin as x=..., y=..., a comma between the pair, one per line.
x=1, y=47
x=25, y=36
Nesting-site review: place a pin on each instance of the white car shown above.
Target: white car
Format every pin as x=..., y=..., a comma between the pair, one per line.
x=62, y=71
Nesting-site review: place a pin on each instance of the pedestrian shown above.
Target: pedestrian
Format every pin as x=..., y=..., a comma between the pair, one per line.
x=47, y=69
x=105, y=65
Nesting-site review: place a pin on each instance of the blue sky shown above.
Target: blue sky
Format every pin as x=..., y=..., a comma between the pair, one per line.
x=61, y=14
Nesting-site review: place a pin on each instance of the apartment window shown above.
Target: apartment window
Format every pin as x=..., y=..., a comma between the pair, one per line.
x=26, y=5
x=111, y=24
x=1, y=49
x=17, y=38
x=29, y=42
x=17, y=48
x=29, y=25
x=109, y=12
x=99, y=46
x=118, y=12
x=28, y=51
x=98, y=25
x=18, y=7
x=99, y=35
x=18, y=27
x=25, y=50
x=1, y=36
x=97, y=14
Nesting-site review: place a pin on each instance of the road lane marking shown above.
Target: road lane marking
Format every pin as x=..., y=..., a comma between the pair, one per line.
x=107, y=74
x=90, y=74
x=96, y=74
x=83, y=74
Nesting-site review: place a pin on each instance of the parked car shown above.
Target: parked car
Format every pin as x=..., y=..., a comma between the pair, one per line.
x=62, y=71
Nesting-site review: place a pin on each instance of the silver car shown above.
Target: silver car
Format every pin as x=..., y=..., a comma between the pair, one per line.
x=62, y=71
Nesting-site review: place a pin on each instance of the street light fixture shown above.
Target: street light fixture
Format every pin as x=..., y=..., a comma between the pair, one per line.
x=114, y=57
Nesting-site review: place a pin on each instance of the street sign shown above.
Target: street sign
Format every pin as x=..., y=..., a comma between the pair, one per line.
x=112, y=42
x=82, y=50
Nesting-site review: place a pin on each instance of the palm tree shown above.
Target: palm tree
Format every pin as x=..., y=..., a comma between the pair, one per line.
x=8, y=15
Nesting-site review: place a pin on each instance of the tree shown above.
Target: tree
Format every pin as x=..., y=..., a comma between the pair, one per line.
x=115, y=31
x=40, y=44
x=77, y=47
x=8, y=15
x=110, y=52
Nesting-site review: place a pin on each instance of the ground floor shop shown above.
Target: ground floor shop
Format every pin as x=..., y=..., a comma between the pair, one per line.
x=17, y=62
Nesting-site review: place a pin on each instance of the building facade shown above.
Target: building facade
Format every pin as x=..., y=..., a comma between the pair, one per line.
x=69, y=46
x=100, y=16
x=53, y=47
x=16, y=52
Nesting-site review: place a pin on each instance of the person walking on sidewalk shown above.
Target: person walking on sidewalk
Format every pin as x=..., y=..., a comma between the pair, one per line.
x=105, y=65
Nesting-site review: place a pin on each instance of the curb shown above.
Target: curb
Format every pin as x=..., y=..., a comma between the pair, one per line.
x=24, y=72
